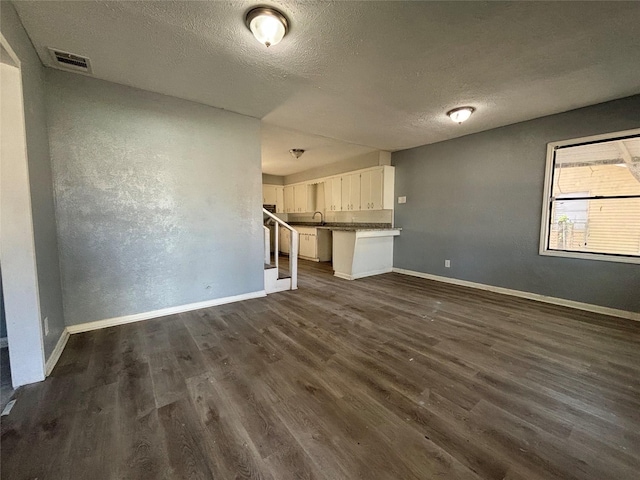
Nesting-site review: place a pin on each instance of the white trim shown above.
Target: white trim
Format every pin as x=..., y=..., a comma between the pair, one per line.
x=137, y=317
x=57, y=351
x=363, y=274
x=546, y=211
x=344, y=276
x=528, y=295
x=22, y=371
x=5, y=44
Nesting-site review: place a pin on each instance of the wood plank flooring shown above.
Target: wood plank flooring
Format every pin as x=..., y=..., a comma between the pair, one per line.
x=388, y=377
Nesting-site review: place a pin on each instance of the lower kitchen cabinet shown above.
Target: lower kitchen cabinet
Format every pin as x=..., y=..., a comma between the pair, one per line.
x=283, y=241
x=314, y=243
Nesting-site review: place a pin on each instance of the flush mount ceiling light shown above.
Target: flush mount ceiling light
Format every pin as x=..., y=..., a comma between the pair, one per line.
x=267, y=24
x=460, y=114
x=296, y=152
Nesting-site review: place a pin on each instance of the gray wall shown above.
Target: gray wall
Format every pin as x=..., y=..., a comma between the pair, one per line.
x=477, y=200
x=40, y=179
x=3, y=320
x=272, y=179
x=158, y=199
x=366, y=160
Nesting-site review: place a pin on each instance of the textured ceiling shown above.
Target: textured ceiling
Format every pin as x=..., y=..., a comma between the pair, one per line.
x=377, y=74
x=277, y=141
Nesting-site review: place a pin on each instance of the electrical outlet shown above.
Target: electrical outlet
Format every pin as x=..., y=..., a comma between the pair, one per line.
x=402, y=199
x=46, y=325
x=447, y=263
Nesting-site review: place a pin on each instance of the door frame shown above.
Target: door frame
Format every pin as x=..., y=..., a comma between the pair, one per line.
x=17, y=249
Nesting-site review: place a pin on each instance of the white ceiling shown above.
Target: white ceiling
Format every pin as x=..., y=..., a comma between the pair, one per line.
x=376, y=74
x=277, y=141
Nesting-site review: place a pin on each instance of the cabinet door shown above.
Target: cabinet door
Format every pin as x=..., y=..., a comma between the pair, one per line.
x=285, y=236
x=304, y=245
x=280, y=200
x=365, y=190
x=289, y=203
x=269, y=194
x=371, y=190
x=375, y=189
x=300, y=195
x=313, y=246
x=345, y=191
x=351, y=191
x=335, y=194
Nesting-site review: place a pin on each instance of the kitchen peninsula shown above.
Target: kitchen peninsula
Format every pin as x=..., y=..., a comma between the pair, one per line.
x=362, y=252
x=358, y=250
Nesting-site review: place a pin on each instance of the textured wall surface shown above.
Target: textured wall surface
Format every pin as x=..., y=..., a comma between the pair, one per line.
x=42, y=201
x=158, y=199
x=477, y=200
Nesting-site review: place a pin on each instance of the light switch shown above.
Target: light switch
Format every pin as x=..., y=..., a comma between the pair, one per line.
x=402, y=199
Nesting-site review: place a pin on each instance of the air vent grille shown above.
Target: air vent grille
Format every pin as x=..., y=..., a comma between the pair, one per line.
x=70, y=61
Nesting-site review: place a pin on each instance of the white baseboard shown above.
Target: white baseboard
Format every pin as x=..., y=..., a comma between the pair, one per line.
x=528, y=295
x=57, y=351
x=362, y=275
x=137, y=317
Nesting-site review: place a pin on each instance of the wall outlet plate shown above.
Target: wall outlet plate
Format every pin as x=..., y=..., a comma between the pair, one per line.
x=447, y=263
x=46, y=325
x=402, y=199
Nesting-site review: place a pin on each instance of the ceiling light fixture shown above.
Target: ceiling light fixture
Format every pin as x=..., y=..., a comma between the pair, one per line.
x=460, y=114
x=296, y=152
x=267, y=24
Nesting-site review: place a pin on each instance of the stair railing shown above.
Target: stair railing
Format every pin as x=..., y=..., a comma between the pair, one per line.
x=294, y=243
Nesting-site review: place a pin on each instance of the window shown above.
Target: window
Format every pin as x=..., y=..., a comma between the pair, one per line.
x=591, y=205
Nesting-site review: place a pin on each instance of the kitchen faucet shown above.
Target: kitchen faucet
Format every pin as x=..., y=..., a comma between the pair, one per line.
x=321, y=217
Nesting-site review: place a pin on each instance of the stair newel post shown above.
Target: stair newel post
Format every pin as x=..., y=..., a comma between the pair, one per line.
x=277, y=249
x=293, y=258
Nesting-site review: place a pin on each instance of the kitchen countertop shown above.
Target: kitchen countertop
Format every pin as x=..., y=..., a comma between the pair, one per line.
x=346, y=226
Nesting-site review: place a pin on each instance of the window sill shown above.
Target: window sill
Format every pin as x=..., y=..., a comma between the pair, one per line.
x=591, y=256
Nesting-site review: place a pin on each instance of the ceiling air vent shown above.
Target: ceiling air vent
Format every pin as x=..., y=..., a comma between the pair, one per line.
x=70, y=61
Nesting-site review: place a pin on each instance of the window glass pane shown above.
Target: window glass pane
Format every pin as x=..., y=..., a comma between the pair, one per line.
x=601, y=169
x=608, y=225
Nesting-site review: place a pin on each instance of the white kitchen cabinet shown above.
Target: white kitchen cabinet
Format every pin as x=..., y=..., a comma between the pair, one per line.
x=351, y=192
x=300, y=193
x=377, y=188
x=315, y=244
x=308, y=247
x=273, y=195
x=333, y=194
x=283, y=241
x=280, y=199
x=371, y=189
x=268, y=194
x=304, y=197
x=289, y=203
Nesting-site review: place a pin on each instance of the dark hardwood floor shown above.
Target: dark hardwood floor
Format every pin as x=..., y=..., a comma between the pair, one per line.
x=389, y=377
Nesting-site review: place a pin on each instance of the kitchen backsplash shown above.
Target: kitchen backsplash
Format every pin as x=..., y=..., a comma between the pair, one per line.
x=375, y=216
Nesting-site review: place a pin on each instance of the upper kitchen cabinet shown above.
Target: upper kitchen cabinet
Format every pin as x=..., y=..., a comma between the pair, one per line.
x=333, y=194
x=273, y=195
x=280, y=199
x=289, y=203
x=304, y=197
x=351, y=191
x=299, y=198
x=376, y=188
x=268, y=194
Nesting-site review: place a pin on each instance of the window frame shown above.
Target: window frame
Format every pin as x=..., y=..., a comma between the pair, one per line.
x=546, y=200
